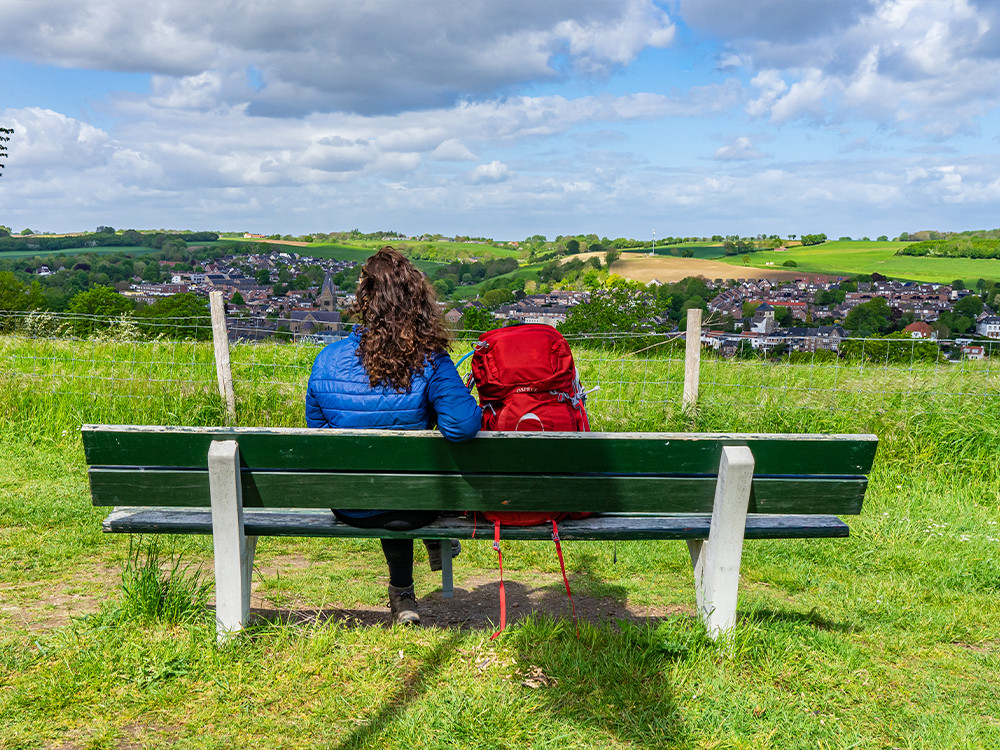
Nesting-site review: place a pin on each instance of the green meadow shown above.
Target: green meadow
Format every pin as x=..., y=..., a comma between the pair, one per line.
x=887, y=639
x=11, y=254
x=843, y=258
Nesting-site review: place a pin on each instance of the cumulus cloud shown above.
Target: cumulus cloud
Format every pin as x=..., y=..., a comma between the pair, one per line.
x=742, y=149
x=44, y=140
x=495, y=171
x=923, y=66
x=296, y=56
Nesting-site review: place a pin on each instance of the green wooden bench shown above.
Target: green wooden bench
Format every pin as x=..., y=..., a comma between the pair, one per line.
x=712, y=490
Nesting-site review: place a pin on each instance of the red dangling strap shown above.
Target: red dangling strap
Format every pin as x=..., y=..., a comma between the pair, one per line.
x=562, y=567
x=503, y=596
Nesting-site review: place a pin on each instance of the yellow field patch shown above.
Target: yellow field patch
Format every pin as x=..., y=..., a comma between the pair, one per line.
x=642, y=267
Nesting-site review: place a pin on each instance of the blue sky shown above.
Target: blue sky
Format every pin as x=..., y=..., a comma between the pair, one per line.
x=503, y=119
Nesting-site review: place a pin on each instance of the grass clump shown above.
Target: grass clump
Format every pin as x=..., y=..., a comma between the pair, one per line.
x=159, y=588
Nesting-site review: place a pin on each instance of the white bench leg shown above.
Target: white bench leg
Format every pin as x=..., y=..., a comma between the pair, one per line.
x=716, y=560
x=234, y=551
x=447, y=582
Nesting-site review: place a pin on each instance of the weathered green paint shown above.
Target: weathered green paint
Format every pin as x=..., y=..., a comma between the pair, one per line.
x=263, y=489
x=506, y=453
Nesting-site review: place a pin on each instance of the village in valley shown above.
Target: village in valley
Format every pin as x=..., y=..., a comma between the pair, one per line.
x=761, y=315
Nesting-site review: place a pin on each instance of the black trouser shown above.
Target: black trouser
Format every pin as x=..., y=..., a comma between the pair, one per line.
x=398, y=552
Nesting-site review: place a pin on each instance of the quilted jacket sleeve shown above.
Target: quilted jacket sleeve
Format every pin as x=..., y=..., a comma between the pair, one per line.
x=314, y=414
x=458, y=414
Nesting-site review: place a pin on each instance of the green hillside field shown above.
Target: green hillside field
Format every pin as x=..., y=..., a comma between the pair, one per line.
x=12, y=254
x=844, y=258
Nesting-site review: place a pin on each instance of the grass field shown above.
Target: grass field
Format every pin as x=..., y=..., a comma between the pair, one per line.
x=11, y=254
x=888, y=639
x=848, y=258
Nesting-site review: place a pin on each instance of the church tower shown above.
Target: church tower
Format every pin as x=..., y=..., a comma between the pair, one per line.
x=327, y=299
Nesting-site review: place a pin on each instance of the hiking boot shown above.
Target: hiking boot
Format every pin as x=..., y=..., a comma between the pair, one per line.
x=434, y=551
x=403, y=606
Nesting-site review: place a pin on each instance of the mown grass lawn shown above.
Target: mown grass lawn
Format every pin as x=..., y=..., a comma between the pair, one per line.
x=888, y=639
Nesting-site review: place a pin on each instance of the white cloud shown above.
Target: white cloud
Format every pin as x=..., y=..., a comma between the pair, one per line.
x=453, y=150
x=495, y=171
x=44, y=139
x=927, y=67
x=742, y=149
x=298, y=56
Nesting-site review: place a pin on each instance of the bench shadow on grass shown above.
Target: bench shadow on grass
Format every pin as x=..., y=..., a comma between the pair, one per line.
x=613, y=683
x=476, y=604
x=813, y=618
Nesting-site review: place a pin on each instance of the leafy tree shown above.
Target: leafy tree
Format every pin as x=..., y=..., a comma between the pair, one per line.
x=101, y=301
x=610, y=256
x=496, y=297
x=620, y=309
x=969, y=306
x=263, y=277
x=443, y=287
x=783, y=315
x=573, y=246
x=179, y=315
x=237, y=298
x=13, y=295
x=98, y=308
x=955, y=322
x=693, y=302
x=813, y=239
x=478, y=319
x=869, y=318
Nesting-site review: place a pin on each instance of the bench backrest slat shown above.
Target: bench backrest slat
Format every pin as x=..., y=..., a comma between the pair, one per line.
x=638, y=472
x=422, y=451
x=262, y=489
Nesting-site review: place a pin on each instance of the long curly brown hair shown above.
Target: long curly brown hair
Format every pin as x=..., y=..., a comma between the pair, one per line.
x=400, y=319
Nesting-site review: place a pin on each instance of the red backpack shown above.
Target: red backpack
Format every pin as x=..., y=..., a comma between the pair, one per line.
x=527, y=382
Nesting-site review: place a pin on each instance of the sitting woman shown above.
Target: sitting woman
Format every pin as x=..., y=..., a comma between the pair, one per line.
x=393, y=372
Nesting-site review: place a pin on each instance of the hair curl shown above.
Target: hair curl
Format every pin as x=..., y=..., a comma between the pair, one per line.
x=401, y=322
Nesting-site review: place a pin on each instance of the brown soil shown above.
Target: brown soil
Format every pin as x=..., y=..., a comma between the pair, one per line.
x=81, y=594
x=477, y=606
x=474, y=606
x=641, y=267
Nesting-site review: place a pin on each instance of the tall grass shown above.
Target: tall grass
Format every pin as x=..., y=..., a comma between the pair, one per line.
x=158, y=587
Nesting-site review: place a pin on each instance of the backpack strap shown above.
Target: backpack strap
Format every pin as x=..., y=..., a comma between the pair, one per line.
x=503, y=596
x=562, y=567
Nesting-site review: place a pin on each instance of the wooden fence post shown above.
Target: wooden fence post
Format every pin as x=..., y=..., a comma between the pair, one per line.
x=223, y=370
x=692, y=359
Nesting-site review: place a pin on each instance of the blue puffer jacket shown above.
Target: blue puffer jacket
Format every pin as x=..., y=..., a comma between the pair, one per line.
x=339, y=395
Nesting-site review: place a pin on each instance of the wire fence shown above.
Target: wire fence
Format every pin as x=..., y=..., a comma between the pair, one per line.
x=66, y=370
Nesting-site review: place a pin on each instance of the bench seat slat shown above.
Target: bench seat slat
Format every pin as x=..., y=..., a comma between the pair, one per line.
x=262, y=489
x=614, y=526
x=383, y=450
